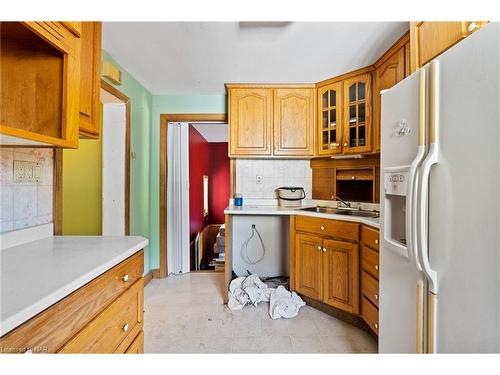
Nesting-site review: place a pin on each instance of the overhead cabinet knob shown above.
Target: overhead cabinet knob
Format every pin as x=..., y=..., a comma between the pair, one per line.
x=125, y=278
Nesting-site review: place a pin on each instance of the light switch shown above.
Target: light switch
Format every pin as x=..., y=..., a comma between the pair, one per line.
x=258, y=179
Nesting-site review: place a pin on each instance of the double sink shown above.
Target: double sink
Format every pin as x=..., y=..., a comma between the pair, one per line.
x=342, y=211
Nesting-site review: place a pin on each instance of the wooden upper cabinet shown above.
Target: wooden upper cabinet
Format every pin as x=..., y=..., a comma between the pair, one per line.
x=430, y=39
x=341, y=275
x=330, y=119
x=391, y=68
x=90, y=62
x=250, y=121
x=271, y=120
x=294, y=121
x=357, y=114
x=40, y=80
x=309, y=266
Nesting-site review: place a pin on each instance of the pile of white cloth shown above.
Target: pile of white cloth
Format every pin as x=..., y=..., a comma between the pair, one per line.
x=250, y=290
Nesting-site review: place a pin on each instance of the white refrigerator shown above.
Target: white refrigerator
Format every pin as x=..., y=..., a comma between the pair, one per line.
x=440, y=204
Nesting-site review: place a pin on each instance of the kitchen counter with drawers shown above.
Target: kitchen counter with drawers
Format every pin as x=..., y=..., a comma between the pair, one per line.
x=67, y=284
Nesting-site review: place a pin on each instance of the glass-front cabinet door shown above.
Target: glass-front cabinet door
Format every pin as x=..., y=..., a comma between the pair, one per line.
x=357, y=118
x=330, y=117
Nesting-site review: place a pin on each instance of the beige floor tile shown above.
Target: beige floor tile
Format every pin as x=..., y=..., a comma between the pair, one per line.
x=337, y=344
x=276, y=344
x=302, y=327
x=245, y=345
x=311, y=344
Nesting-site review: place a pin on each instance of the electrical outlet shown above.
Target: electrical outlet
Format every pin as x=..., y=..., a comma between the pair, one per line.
x=258, y=179
x=26, y=171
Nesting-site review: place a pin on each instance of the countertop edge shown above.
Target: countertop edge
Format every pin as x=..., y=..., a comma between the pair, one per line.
x=37, y=307
x=291, y=212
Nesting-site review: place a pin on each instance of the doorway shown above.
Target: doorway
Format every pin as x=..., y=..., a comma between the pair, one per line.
x=115, y=134
x=165, y=121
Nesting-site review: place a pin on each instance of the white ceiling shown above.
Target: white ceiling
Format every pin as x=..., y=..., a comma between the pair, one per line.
x=199, y=57
x=212, y=132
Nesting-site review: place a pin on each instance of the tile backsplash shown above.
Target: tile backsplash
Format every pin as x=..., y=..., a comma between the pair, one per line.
x=25, y=205
x=275, y=173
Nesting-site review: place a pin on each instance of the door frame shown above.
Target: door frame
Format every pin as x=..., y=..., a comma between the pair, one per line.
x=164, y=120
x=128, y=115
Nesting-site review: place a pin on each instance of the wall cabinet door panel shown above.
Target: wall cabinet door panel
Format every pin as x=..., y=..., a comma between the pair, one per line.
x=293, y=121
x=90, y=63
x=309, y=266
x=250, y=121
x=357, y=114
x=330, y=119
x=386, y=75
x=430, y=39
x=341, y=275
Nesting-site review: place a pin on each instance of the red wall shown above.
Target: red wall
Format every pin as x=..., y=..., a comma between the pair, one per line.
x=198, y=167
x=207, y=159
x=218, y=189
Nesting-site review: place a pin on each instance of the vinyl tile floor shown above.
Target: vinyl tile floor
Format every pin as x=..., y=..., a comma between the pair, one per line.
x=186, y=314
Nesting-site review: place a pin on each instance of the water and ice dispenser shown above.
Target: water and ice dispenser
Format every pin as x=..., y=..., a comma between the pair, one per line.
x=395, y=188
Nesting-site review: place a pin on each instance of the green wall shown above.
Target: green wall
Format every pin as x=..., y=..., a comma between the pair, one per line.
x=163, y=104
x=142, y=101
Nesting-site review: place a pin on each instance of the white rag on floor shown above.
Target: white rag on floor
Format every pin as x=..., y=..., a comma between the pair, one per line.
x=250, y=290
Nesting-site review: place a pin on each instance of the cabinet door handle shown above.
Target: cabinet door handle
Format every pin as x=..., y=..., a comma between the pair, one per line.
x=322, y=227
x=319, y=247
x=376, y=267
x=345, y=144
x=376, y=296
x=376, y=325
x=125, y=327
x=324, y=249
x=125, y=278
x=376, y=242
x=353, y=177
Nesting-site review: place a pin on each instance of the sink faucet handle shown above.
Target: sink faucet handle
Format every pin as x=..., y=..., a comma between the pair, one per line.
x=347, y=204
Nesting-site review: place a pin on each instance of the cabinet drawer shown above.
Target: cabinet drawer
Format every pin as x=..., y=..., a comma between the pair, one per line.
x=370, y=261
x=115, y=328
x=326, y=227
x=370, y=314
x=67, y=317
x=369, y=287
x=137, y=346
x=370, y=237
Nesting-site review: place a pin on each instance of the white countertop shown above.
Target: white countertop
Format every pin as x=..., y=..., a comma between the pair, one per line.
x=251, y=209
x=37, y=274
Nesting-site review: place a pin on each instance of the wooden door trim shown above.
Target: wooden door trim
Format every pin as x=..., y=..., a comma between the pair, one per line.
x=128, y=117
x=164, y=120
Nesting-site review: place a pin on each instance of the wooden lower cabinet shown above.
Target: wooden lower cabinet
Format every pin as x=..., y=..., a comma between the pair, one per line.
x=369, y=276
x=341, y=275
x=103, y=316
x=309, y=266
x=115, y=328
x=137, y=346
x=326, y=266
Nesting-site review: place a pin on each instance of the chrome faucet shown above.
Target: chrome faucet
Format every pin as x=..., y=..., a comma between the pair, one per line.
x=347, y=204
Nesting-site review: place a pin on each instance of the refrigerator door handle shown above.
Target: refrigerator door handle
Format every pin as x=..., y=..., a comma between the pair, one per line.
x=423, y=206
x=423, y=190
x=411, y=187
